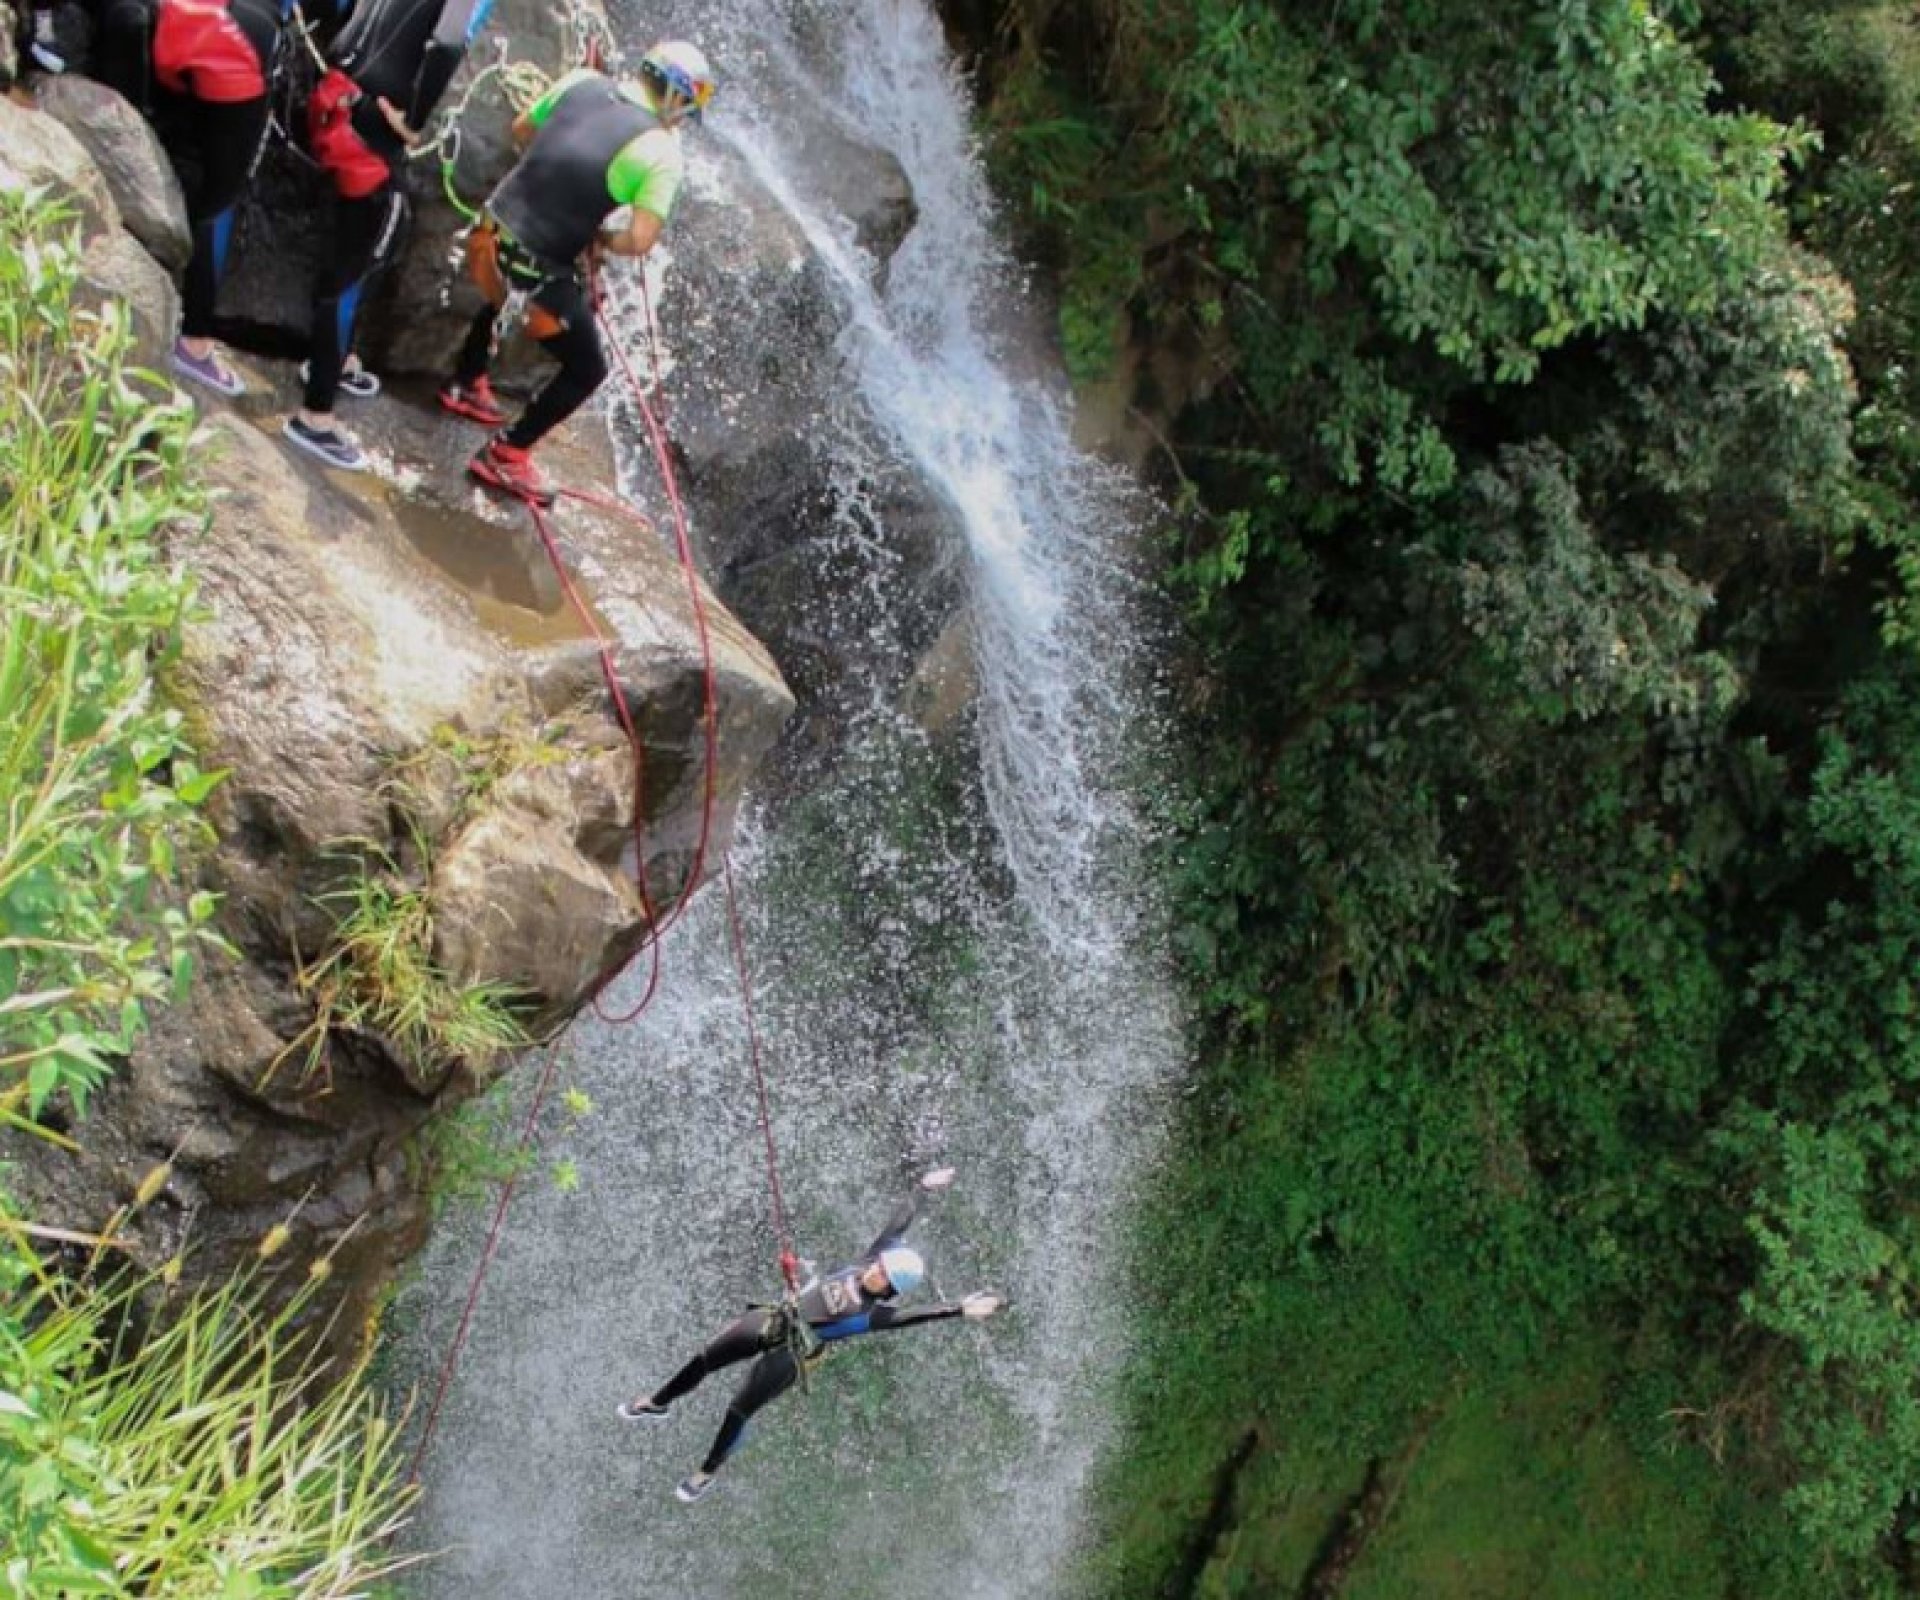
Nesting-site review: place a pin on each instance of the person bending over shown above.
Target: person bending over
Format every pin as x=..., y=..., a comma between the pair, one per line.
x=849, y=1301
x=591, y=146
x=387, y=70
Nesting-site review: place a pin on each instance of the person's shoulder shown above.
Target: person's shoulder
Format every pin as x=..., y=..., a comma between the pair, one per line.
x=660, y=148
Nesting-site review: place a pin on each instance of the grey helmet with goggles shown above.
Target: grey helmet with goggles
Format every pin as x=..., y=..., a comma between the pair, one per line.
x=903, y=1267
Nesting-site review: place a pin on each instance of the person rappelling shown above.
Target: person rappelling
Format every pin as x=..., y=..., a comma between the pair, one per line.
x=592, y=145
x=386, y=71
x=783, y=1340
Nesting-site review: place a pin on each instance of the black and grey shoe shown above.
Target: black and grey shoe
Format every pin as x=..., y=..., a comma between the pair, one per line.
x=45, y=46
x=696, y=1487
x=355, y=382
x=329, y=445
x=642, y=1410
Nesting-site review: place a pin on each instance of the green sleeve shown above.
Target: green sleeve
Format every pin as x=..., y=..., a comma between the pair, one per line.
x=647, y=173
x=541, y=109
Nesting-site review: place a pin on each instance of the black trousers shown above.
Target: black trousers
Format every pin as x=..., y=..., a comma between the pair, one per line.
x=366, y=233
x=774, y=1372
x=576, y=346
x=215, y=146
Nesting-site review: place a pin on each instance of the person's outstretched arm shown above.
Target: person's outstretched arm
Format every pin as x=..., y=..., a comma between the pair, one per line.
x=981, y=1303
x=896, y=1225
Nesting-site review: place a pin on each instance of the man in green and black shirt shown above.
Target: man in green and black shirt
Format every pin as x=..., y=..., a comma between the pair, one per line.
x=592, y=146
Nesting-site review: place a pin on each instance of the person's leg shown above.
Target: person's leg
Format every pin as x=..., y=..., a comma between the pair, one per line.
x=738, y=1341
x=227, y=136
x=770, y=1377
x=476, y=352
x=575, y=344
x=363, y=235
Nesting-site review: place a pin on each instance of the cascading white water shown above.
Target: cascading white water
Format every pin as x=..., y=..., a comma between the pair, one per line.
x=952, y=963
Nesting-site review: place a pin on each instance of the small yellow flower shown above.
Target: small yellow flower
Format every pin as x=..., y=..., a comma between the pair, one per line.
x=275, y=1241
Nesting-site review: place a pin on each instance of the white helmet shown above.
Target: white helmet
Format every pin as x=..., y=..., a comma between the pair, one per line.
x=675, y=67
x=903, y=1267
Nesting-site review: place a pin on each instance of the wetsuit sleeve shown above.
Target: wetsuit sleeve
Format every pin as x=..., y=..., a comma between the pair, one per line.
x=541, y=109
x=459, y=25
x=896, y=1225
x=647, y=173
x=884, y=1319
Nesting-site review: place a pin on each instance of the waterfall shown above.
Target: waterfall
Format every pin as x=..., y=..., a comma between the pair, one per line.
x=955, y=960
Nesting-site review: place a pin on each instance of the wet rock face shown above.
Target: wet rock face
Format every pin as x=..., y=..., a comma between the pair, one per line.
x=130, y=159
x=844, y=572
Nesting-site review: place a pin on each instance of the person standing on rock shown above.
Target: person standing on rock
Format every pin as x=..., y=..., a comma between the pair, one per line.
x=592, y=146
x=781, y=1340
x=210, y=64
x=386, y=72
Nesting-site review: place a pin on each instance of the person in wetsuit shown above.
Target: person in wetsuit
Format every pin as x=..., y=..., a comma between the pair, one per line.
x=592, y=146
x=387, y=70
x=202, y=69
x=849, y=1301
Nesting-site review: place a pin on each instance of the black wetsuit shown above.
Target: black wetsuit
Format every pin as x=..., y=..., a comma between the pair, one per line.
x=835, y=1307
x=547, y=212
x=406, y=51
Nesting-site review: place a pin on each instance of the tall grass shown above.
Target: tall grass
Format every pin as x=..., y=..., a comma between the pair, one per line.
x=379, y=976
x=202, y=1455
x=97, y=785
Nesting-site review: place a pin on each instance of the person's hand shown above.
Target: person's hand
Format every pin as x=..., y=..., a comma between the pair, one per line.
x=981, y=1303
x=939, y=1178
x=396, y=120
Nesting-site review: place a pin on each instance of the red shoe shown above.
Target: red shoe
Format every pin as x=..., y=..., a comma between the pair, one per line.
x=475, y=401
x=500, y=466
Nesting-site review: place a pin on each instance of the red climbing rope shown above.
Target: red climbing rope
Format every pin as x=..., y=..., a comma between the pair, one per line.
x=656, y=924
x=783, y=1231
x=507, y=1186
x=663, y=456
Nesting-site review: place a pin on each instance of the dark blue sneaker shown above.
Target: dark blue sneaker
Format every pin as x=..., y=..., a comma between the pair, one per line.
x=209, y=371
x=696, y=1487
x=641, y=1410
x=329, y=445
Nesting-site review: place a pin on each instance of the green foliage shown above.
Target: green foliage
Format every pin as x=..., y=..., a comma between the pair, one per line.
x=98, y=789
x=379, y=977
x=203, y=1455
x=1546, y=873
x=464, y=1153
x=1385, y=207
x=1587, y=632
x=1837, y=1283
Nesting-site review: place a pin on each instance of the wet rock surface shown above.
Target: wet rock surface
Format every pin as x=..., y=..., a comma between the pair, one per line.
x=131, y=161
x=793, y=518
